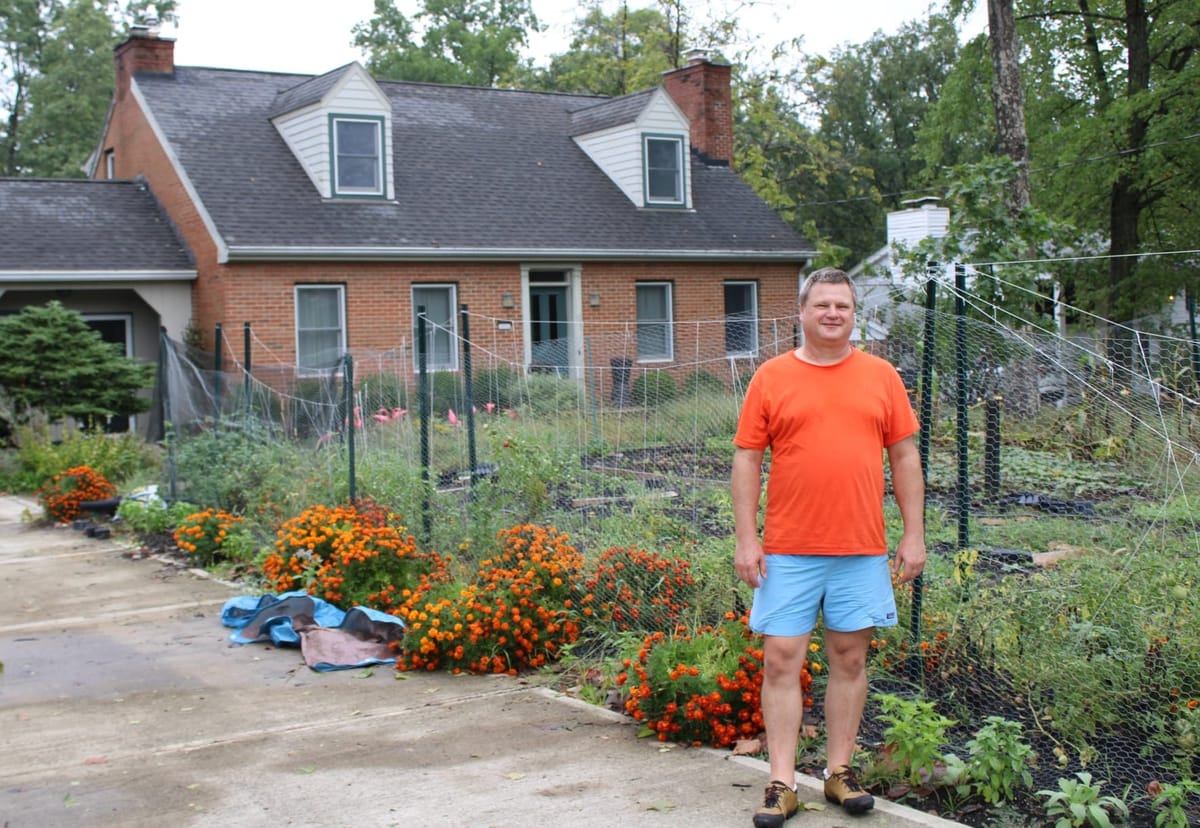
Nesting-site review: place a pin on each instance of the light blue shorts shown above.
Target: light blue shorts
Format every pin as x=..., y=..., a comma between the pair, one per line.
x=852, y=592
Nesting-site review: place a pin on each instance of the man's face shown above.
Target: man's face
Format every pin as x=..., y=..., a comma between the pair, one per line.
x=827, y=318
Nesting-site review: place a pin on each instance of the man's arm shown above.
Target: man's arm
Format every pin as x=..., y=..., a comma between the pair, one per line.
x=908, y=483
x=746, y=484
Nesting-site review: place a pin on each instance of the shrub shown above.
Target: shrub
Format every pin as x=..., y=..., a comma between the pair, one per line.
x=383, y=390
x=700, y=688
x=352, y=555
x=153, y=517
x=640, y=590
x=233, y=462
x=62, y=496
x=518, y=612
x=653, y=387
x=703, y=384
x=52, y=361
x=499, y=385
x=115, y=456
x=203, y=535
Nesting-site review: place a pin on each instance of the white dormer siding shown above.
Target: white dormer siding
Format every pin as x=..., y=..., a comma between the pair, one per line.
x=308, y=129
x=619, y=150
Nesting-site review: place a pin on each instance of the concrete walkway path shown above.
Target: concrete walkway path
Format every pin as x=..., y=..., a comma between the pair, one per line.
x=122, y=703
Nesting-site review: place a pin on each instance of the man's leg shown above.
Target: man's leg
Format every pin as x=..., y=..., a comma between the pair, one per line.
x=783, y=701
x=845, y=692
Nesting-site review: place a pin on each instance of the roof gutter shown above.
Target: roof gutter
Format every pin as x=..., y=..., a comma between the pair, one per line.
x=95, y=276
x=251, y=253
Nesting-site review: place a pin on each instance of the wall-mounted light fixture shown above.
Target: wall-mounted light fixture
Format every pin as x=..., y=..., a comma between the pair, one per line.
x=506, y=300
x=594, y=298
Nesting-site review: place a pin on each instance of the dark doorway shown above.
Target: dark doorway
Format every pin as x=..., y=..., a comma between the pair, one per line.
x=114, y=329
x=549, y=334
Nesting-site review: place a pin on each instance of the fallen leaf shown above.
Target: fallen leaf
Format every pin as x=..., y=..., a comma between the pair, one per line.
x=308, y=769
x=400, y=676
x=812, y=806
x=514, y=776
x=747, y=746
x=95, y=760
x=661, y=805
x=70, y=801
x=366, y=673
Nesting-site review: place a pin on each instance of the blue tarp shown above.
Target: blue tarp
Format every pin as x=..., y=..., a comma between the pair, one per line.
x=329, y=637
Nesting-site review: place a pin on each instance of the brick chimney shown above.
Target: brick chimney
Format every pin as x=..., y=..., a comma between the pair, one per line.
x=701, y=90
x=142, y=51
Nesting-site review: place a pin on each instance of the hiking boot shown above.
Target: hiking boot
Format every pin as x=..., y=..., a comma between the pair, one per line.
x=842, y=788
x=779, y=803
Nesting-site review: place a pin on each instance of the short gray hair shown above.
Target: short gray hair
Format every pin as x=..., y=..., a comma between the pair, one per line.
x=827, y=276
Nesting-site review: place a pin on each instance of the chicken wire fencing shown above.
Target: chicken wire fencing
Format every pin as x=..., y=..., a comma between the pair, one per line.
x=1062, y=483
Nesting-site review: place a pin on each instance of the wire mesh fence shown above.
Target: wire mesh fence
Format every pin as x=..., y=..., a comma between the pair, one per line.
x=1062, y=589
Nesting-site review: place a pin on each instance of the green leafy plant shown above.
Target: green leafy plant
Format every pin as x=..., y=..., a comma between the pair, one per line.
x=914, y=736
x=152, y=517
x=1170, y=803
x=1078, y=802
x=654, y=387
x=999, y=761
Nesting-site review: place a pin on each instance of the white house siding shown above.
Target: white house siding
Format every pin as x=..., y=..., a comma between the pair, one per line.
x=618, y=150
x=306, y=130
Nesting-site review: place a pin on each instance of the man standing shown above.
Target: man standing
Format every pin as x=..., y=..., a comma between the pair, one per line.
x=827, y=412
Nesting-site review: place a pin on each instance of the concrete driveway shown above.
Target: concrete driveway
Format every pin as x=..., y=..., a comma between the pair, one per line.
x=122, y=703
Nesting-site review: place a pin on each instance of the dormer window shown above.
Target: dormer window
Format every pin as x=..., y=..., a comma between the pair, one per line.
x=663, y=155
x=357, y=156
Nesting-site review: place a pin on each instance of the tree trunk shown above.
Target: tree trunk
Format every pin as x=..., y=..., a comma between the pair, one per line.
x=1008, y=97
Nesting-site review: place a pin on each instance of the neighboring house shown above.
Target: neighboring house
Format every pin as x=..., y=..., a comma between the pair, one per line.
x=879, y=279
x=103, y=248
x=325, y=210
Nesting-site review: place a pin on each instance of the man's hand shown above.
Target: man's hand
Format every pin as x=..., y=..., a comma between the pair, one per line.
x=910, y=559
x=750, y=562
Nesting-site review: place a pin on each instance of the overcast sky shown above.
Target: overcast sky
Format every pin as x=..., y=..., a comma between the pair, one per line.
x=313, y=36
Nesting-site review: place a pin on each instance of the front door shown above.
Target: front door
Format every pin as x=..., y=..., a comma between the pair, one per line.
x=549, y=337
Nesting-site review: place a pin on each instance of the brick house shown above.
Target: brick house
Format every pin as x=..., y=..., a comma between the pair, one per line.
x=325, y=210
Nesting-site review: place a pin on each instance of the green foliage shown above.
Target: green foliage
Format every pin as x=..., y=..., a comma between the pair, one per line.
x=56, y=79
x=155, y=516
x=550, y=395
x=914, y=735
x=1078, y=802
x=499, y=385
x=51, y=361
x=40, y=456
x=471, y=42
x=1171, y=804
x=702, y=384
x=653, y=387
x=236, y=466
x=610, y=54
x=1000, y=761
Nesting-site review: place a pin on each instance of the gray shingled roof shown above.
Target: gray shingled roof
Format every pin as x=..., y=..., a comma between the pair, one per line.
x=477, y=169
x=609, y=113
x=78, y=225
x=306, y=92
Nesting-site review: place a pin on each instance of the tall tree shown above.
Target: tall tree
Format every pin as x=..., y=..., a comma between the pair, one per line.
x=1008, y=98
x=56, y=78
x=472, y=42
x=609, y=54
x=1119, y=143
x=869, y=101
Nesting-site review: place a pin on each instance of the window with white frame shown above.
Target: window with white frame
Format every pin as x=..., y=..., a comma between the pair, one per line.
x=441, y=328
x=741, y=318
x=320, y=327
x=357, y=155
x=654, y=340
x=663, y=156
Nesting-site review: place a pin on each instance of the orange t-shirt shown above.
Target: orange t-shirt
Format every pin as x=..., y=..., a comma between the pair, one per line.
x=827, y=427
